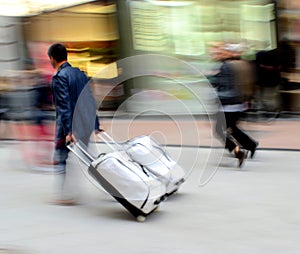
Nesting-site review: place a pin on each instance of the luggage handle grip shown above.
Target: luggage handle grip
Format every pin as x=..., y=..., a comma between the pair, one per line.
x=108, y=140
x=82, y=154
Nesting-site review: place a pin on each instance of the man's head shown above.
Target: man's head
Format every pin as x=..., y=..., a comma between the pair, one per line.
x=57, y=54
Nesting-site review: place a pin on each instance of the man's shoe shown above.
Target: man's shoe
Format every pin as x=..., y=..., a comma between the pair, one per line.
x=64, y=202
x=252, y=151
x=241, y=156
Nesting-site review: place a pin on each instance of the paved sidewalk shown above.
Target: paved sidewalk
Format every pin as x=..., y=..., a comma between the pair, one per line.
x=250, y=210
x=278, y=134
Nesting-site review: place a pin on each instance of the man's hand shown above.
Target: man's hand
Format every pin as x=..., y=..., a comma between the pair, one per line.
x=98, y=131
x=70, y=138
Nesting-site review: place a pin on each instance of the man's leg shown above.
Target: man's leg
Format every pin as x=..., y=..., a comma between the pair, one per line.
x=62, y=191
x=221, y=130
x=234, y=145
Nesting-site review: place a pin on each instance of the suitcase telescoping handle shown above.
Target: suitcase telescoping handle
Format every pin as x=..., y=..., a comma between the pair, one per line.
x=109, y=141
x=80, y=151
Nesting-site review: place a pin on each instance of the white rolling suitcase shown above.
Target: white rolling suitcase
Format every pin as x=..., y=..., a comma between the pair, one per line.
x=139, y=191
x=149, y=154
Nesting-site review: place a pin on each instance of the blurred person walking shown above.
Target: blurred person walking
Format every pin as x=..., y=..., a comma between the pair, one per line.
x=269, y=66
x=232, y=106
x=67, y=84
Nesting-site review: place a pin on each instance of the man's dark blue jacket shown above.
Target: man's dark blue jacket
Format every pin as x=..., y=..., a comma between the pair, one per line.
x=68, y=83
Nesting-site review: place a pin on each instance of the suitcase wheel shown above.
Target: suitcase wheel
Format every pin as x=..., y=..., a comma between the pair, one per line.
x=140, y=218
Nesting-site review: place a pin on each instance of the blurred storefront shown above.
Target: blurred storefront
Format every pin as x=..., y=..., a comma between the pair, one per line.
x=27, y=28
x=88, y=29
x=186, y=27
x=90, y=33
x=289, y=36
x=99, y=33
x=185, y=30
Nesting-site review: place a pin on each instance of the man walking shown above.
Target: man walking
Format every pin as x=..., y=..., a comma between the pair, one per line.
x=67, y=84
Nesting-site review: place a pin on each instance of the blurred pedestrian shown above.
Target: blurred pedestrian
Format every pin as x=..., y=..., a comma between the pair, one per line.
x=67, y=84
x=232, y=106
x=268, y=67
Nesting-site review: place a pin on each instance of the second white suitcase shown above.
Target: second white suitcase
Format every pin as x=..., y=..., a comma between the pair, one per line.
x=148, y=153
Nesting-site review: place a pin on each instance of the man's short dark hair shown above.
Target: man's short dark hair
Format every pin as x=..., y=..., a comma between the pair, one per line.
x=58, y=51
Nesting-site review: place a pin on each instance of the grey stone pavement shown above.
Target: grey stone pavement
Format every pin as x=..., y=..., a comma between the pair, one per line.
x=219, y=209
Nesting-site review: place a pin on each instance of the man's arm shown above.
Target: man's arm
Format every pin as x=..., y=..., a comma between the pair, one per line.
x=63, y=103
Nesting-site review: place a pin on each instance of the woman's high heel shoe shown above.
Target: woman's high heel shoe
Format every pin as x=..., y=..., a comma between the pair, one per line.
x=241, y=156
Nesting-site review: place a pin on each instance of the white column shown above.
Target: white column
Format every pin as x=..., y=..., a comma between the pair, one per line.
x=11, y=44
